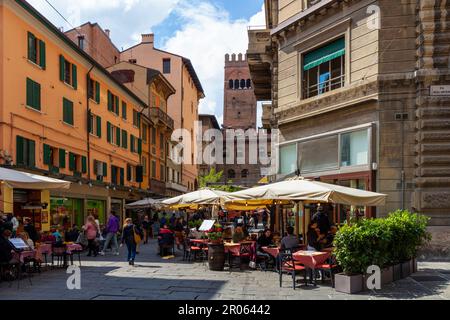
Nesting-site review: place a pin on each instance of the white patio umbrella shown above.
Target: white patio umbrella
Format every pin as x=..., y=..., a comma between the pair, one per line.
x=307, y=190
x=25, y=180
x=145, y=203
x=200, y=197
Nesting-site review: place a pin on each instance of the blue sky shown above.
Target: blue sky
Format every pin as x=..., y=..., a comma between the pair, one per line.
x=201, y=30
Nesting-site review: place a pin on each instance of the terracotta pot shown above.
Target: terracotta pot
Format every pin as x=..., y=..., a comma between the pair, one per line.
x=406, y=269
x=348, y=283
x=397, y=271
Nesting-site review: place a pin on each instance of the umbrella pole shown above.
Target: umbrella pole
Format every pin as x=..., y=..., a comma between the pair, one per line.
x=297, y=219
x=302, y=208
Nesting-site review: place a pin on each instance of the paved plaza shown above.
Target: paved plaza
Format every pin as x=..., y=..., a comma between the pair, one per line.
x=111, y=277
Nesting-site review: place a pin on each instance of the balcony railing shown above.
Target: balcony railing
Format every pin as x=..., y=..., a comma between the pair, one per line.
x=322, y=87
x=157, y=115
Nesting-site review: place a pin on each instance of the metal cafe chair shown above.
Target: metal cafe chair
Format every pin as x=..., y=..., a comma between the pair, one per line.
x=287, y=265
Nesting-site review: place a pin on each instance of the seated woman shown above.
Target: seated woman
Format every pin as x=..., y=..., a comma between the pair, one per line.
x=238, y=235
x=24, y=236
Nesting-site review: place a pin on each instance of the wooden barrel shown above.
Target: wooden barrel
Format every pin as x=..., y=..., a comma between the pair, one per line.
x=216, y=257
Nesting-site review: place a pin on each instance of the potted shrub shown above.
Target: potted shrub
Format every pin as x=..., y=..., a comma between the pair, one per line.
x=215, y=234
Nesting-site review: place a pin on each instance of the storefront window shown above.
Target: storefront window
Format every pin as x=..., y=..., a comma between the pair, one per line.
x=319, y=154
x=65, y=212
x=96, y=208
x=355, y=148
x=288, y=159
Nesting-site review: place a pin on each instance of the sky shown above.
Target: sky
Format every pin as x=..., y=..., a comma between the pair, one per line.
x=201, y=30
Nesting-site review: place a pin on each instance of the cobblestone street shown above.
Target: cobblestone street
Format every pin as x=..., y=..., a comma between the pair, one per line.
x=110, y=277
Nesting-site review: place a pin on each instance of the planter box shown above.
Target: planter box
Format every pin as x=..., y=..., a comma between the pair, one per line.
x=348, y=284
x=387, y=276
x=406, y=269
x=397, y=272
x=413, y=267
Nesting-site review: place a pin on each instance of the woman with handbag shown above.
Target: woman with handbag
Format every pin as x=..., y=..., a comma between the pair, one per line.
x=91, y=230
x=131, y=237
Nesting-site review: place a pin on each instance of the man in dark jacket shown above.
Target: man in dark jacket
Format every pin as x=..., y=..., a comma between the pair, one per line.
x=321, y=218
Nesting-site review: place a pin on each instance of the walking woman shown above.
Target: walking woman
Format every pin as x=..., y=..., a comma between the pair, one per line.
x=91, y=230
x=129, y=238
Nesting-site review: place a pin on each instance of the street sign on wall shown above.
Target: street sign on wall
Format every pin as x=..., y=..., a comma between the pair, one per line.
x=443, y=90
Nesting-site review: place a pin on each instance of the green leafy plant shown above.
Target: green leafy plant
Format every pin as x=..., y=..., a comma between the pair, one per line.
x=216, y=232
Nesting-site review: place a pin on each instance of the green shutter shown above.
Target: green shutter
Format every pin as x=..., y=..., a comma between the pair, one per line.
x=118, y=136
x=31, y=154
x=74, y=77
x=117, y=105
x=138, y=120
x=124, y=139
x=32, y=53
x=72, y=161
x=110, y=103
x=19, y=150
x=42, y=56
x=128, y=172
x=62, y=158
x=108, y=132
x=105, y=169
x=83, y=164
x=47, y=154
x=62, y=62
x=97, y=92
x=132, y=143
x=30, y=89
x=139, y=146
x=99, y=127
x=37, y=96
x=122, y=176
x=124, y=110
x=67, y=111
x=89, y=121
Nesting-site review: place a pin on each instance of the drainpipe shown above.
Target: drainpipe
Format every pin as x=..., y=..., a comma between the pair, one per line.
x=88, y=140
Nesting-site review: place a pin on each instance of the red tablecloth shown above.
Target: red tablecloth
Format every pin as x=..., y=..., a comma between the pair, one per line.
x=232, y=248
x=73, y=247
x=21, y=256
x=41, y=249
x=272, y=251
x=311, y=259
x=199, y=241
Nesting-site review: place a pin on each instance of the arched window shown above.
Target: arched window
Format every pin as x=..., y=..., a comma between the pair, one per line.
x=231, y=84
x=244, y=173
x=231, y=174
x=236, y=84
x=249, y=83
x=242, y=84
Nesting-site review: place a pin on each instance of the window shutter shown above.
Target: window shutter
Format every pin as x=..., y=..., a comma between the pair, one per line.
x=74, y=77
x=83, y=164
x=47, y=154
x=99, y=127
x=108, y=132
x=140, y=146
x=124, y=139
x=62, y=158
x=128, y=172
x=110, y=101
x=31, y=153
x=89, y=124
x=62, y=68
x=117, y=105
x=31, y=47
x=37, y=95
x=139, y=119
x=122, y=176
x=30, y=90
x=67, y=111
x=118, y=136
x=19, y=150
x=97, y=92
x=42, y=57
x=105, y=169
x=132, y=143
x=124, y=110
x=72, y=161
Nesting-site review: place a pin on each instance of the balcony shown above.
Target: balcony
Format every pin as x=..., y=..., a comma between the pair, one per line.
x=266, y=115
x=160, y=118
x=157, y=186
x=177, y=187
x=259, y=56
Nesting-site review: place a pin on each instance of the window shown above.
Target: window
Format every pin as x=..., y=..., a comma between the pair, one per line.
x=36, y=50
x=249, y=84
x=242, y=84
x=133, y=61
x=95, y=125
x=124, y=111
x=319, y=154
x=231, y=174
x=77, y=163
x=100, y=169
x=144, y=133
x=161, y=143
x=355, y=148
x=67, y=111
x=113, y=103
x=81, y=42
x=162, y=171
x=135, y=144
x=117, y=175
x=33, y=94
x=25, y=152
x=50, y=156
x=236, y=84
x=166, y=66
x=153, y=169
x=113, y=134
x=68, y=72
x=153, y=135
x=94, y=90
x=231, y=84
x=244, y=173
x=288, y=159
x=324, y=69
x=136, y=118
x=144, y=166
x=130, y=170
x=124, y=139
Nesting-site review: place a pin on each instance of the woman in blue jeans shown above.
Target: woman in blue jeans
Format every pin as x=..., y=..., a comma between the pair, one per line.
x=128, y=237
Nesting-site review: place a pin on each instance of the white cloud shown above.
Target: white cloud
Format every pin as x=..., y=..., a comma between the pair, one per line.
x=207, y=35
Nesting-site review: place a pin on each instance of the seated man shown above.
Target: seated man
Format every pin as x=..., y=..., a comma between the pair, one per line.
x=6, y=248
x=265, y=240
x=290, y=240
x=166, y=239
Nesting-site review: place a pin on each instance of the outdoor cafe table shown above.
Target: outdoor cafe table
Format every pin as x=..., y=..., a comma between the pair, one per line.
x=231, y=247
x=273, y=251
x=22, y=255
x=70, y=247
x=311, y=259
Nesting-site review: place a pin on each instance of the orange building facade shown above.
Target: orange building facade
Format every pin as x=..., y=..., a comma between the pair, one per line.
x=63, y=115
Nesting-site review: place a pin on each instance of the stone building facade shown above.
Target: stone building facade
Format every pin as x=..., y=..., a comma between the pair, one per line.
x=357, y=95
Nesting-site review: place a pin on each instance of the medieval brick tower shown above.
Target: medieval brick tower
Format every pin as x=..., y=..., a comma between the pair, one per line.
x=239, y=109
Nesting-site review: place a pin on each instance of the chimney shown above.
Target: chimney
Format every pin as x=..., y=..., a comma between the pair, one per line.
x=108, y=32
x=148, y=38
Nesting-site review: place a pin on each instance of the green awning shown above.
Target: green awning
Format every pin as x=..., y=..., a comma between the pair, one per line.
x=324, y=54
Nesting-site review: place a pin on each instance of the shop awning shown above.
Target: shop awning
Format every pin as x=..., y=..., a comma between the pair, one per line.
x=25, y=180
x=145, y=203
x=324, y=54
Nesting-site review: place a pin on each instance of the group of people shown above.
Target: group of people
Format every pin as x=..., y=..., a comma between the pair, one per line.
x=251, y=219
x=321, y=232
